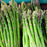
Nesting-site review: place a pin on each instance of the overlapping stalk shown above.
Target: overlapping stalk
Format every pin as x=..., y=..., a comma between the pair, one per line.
x=27, y=39
x=13, y=19
x=32, y=43
x=24, y=37
x=7, y=31
x=23, y=29
x=40, y=33
x=35, y=30
x=46, y=21
x=39, y=30
x=9, y=25
x=12, y=1
x=30, y=23
x=1, y=32
x=1, y=44
x=17, y=24
x=13, y=26
x=1, y=36
x=5, y=39
x=27, y=31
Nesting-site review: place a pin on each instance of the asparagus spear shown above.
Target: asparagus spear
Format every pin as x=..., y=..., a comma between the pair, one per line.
x=32, y=6
x=29, y=34
x=1, y=43
x=13, y=7
x=40, y=32
x=26, y=35
x=17, y=22
x=24, y=43
x=5, y=39
x=46, y=21
x=13, y=25
x=35, y=30
x=9, y=25
x=30, y=23
x=5, y=36
x=32, y=43
x=1, y=32
x=22, y=17
x=23, y=39
x=6, y=30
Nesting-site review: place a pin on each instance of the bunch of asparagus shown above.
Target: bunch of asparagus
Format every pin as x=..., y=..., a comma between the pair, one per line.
x=9, y=26
x=32, y=27
x=26, y=18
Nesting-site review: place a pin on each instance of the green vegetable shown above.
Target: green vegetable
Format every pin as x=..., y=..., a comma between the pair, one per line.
x=7, y=31
x=13, y=26
x=17, y=22
x=35, y=31
x=30, y=23
x=9, y=25
x=1, y=40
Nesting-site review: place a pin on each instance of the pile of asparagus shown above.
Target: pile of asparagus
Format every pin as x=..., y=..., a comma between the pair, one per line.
x=9, y=26
x=34, y=34
x=25, y=18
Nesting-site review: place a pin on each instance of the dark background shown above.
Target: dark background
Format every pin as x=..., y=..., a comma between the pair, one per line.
x=43, y=6
x=0, y=5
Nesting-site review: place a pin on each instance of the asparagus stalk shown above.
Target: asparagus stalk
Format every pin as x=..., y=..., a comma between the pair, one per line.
x=35, y=30
x=39, y=21
x=2, y=36
x=5, y=36
x=17, y=22
x=9, y=25
x=5, y=39
x=24, y=43
x=46, y=21
x=12, y=3
x=30, y=23
x=29, y=34
x=25, y=39
x=42, y=16
x=46, y=24
x=22, y=17
x=32, y=6
x=13, y=7
x=32, y=43
x=26, y=35
x=1, y=43
x=40, y=33
x=13, y=25
x=1, y=32
x=3, y=2
x=6, y=30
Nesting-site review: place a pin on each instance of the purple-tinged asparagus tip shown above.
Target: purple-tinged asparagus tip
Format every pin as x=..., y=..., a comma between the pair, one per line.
x=39, y=15
x=0, y=29
x=3, y=41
